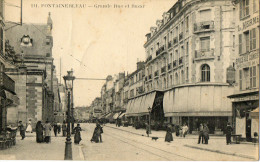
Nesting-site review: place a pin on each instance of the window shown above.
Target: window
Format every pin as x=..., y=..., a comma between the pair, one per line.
x=187, y=48
x=254, y=5
x=253, y=77
x=176, y=79
x=246, y=34
x=240, y=44
x=132, y=93
x=205, y=15
x=182, y=77
x=187, y=23
x=233, y=41
x=244, y=8
x=240, y=80
x=205, y=73
x=253, y=39
x=1, y=41
x=170, y=80
x=205, y=43
x=187, y=73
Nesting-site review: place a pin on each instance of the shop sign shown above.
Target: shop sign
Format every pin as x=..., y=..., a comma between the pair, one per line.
x=248, y=23
x=246, y=98
x=248, y=59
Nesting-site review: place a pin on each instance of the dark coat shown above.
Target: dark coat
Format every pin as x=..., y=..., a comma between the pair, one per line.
x=168, y=137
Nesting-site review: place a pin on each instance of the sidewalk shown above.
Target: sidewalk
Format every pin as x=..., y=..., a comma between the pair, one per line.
x=216, y=143
x=28, y=149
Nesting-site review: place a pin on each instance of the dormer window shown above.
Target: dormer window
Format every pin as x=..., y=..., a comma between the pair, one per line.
x=48, y=41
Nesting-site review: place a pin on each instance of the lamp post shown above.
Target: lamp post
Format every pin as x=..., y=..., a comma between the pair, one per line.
x=68, y=79
x=149, y=110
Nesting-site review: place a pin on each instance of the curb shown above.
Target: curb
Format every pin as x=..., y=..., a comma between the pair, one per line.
x=220, y=152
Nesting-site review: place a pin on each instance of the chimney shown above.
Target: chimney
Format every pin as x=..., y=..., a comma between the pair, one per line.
x=140, y=64
x=148, y=36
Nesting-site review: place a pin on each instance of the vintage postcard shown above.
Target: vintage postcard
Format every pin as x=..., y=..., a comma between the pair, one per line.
x=129, y=80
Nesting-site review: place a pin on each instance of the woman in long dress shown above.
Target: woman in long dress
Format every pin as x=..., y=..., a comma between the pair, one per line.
x=39, y=132
x=47, y=132
x=168, y=137
x=77, y=136
x=96, y=134
x=29, y=127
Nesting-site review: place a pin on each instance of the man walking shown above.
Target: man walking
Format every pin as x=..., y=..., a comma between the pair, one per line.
x=201, y=138
x=228, y=133
x=206, y=133
x=22, y=129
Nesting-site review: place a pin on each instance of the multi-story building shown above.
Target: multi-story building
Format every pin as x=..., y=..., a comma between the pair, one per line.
x=96, y=107
x=34, y=77
x=119, y=93
x=8, y=98
x=188, y=55
x=245, y=100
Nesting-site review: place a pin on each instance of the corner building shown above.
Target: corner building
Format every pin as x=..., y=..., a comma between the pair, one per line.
x=189, y=55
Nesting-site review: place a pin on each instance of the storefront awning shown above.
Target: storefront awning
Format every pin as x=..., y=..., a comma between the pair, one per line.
x=139, y=106
x=13, y=100
x=116, y=115
x=254, y=113
x=120, y=116
x=197, y=101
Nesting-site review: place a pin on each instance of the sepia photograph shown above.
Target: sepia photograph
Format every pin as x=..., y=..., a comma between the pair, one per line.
x=129, y=80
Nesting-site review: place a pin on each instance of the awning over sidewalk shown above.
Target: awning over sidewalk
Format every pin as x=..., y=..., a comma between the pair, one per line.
x=116, y=115
x=197, y=101
x=120, y=116
x=12, y=98
x=139, y=106
x=254, y=113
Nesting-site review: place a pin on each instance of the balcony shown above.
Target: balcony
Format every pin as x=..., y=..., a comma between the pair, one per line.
x=204, y=54
x=150, y=77
x=181, y=36
x=149, y=58
x=170, y=44
x=204, y=26
x=160, y=50
x=163, y=70
x=7, y=83
x=156, y=73
x=169, y=66
x=180, y=60
x=174, y=64
x=175, y=40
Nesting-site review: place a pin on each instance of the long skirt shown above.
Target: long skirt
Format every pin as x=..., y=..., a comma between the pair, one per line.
x=39, y=137
x=29, y=128
x=95, y=137
x=47, y=139
x=168, y=137
x=77, y=138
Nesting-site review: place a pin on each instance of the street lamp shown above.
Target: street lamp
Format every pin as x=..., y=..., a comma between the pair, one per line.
x=149, y=110
x=68, y=79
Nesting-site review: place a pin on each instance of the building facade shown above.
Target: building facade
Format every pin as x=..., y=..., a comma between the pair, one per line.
x=35, y=73
x=245, y=100
x=187, y=56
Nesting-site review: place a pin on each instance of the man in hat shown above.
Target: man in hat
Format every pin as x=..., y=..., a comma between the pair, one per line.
x=22, y=129
x=228, y=133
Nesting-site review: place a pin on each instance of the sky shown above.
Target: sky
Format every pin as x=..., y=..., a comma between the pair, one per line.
x=93, y=41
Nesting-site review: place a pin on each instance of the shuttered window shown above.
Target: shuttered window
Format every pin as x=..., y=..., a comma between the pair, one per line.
x=253, y=77
x=253, y=39
x=240, y=79
x=205, y=43
x=240, y=44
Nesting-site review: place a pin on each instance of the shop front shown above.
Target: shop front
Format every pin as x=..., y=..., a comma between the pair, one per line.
x=245, y=118
x=199, y=103
x=137, y=109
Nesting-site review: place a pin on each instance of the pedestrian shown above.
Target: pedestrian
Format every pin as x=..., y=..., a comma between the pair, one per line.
x=22, y=129
x=55, y=129
x=59, y=128
x=185, y=129
x=177, y=130
x=47, y=132
x=77, y=136
x=201, y=138
x=168, y=137
x=147, y=129
x=39, y=132
x=29, y=127
x=97, y=134
x=228, y=133
x=64, y=129
x=206, y=133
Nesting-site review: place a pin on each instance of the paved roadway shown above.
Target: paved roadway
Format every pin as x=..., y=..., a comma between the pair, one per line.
x=121, y=145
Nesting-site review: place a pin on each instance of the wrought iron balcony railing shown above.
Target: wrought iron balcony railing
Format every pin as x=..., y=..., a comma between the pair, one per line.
x=203, y=26
x=204, y=54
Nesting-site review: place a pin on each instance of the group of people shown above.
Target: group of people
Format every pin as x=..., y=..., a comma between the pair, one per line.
x=203, y=134
x=43, y=132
